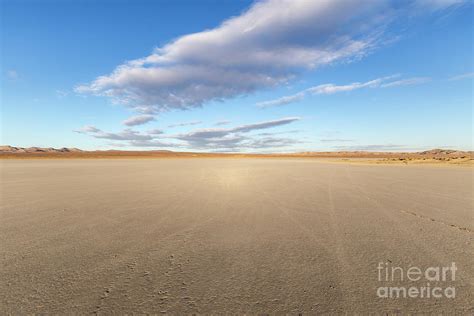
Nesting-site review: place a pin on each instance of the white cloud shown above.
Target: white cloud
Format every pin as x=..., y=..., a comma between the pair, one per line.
x=468, y=75
x=152, y=143
x=436, y=4
x=222, y=122
x=155, y=131
x=265, y=46
x=336, y=140
x=88, y=129
x=282, y=101
x=12, y=74
x=233, y=138
x=126, y=134
x=330, y=88
x=61, y=93
x=139, y=120
x=213, y=139
x=269, y=44
x=406, y=82
x=264, y=125
x=191, y=123
x=278, y=133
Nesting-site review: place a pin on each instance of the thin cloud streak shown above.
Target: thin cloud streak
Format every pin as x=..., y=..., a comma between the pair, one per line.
x=222, y=122
x=138, y=120
x=282, y=101
x=407, y=82
x=152, y=143
x=468, y=75
x=185, y=124
x=330, y=88
x=336, y=140
x=126, y=134
x=61, y=94
x=155, y=131
x=12, y=75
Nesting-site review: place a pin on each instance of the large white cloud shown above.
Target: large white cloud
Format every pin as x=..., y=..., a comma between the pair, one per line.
x=267, y=45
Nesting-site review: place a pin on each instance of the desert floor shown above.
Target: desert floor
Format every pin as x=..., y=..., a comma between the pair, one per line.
x=229, y=235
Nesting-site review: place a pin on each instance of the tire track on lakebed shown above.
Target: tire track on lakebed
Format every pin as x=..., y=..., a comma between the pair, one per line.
x=464, y=229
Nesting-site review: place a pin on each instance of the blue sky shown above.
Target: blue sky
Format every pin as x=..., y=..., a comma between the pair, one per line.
x=264, y=76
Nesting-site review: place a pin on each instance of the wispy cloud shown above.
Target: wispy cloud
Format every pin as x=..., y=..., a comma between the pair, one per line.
x=264, y=125
x=12, y=74
x=87, y=129
x=191, y=123
x=61, y=93
x=213, y=139
x=436, y=4
x=226, y=138
x=407, y=82
x=222, y=122
x=336, y=140
x=126, y=134
x=468, y=75
x=155, y=131
x=330, y=88
x=139, y=120
x=153, y=143
x=282, y=101
x=294, y=131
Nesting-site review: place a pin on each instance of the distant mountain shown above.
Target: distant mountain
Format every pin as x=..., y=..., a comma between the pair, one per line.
x=439, y=154
x=11, y=149
x=447, y=153
x=433, y=153
x=444, y=152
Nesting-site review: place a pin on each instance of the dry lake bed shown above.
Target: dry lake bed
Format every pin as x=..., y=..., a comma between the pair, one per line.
x=230, y=235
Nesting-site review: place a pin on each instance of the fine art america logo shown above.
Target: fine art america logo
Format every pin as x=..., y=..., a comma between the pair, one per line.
x=416, y=282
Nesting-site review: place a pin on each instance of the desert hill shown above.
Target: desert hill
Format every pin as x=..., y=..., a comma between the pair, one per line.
x=11, y=149
x=438, y=155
